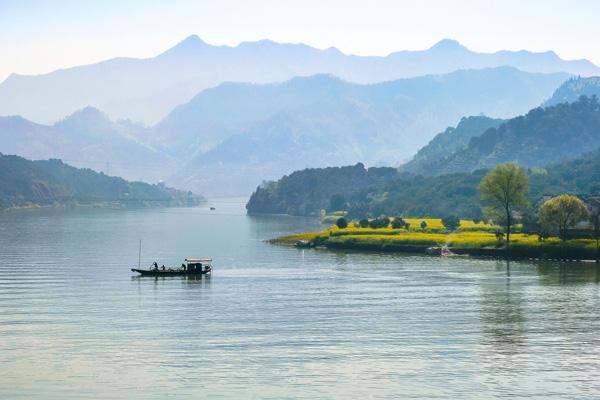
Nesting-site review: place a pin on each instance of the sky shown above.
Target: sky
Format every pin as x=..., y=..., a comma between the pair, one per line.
x=41, y=36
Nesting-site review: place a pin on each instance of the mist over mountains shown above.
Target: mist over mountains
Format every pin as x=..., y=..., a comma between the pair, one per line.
x=88, y=138
x=228, y=139
x=147, y=89
x=323, y=121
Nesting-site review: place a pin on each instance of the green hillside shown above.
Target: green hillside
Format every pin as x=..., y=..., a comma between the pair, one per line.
x=51, y=182
x=542, y=136
x=574, y=88
x=409, y=195
x=449, y=142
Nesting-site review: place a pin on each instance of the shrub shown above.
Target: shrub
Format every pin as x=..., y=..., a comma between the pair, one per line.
x=379, y=223
x=398, y=223
x=423, y=225
x=363, y=223
x=451, y=222
x=342, y=223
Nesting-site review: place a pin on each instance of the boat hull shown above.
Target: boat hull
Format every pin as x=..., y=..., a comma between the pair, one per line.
x=145, y=272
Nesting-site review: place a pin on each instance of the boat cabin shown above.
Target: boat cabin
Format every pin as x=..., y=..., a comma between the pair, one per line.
x=197, y=264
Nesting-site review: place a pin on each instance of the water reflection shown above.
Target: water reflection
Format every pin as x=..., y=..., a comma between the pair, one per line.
x=274, y=321
x=568, y=273
x=504, y=321
x=188, y=279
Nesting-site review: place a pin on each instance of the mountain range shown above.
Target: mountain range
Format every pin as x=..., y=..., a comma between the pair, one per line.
x=88, y=138
x=147, y=89
x=263, y=131
x=227, y=139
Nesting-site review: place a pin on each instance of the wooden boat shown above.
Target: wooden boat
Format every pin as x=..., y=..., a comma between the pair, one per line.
x=192, y=266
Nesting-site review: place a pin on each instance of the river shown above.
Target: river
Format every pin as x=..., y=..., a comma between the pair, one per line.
x=277, y=322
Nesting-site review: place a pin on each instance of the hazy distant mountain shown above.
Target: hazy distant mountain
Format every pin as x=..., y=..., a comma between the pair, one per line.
x=87, y=138
x=52, y=182
x=541, y=137
x=264, y=131
x=147, y=89
x=572, y=89
x=449, y=142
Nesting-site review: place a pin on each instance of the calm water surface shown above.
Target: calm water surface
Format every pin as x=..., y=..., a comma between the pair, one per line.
x=277, y=322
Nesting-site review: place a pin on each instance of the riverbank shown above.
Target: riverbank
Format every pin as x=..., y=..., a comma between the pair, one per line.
x=464, y=241
x=107, y=205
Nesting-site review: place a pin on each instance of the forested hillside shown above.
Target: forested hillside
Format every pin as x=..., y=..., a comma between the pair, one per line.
x=449, y=142
x=52, y=182
x=542, y=136
x=308, y=191
x=574, y=88
x=439, y=196
x=305, y=193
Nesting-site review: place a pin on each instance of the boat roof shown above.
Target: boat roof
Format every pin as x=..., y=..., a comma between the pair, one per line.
x=195, y=260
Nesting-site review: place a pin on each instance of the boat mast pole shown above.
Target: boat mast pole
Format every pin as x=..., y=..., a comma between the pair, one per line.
x=140, y=255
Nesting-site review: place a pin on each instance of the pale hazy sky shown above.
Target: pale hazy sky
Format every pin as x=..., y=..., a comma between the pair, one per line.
x=41, y=36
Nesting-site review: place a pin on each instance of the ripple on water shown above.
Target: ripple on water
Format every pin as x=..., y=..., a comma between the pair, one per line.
x=277, y=322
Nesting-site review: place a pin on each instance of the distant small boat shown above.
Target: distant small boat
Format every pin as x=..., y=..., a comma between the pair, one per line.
x=445, y=252
x=212, y=208
x=192, y=266
x=304, y=244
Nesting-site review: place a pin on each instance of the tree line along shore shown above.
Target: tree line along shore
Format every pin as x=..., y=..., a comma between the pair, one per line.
x=563, y=227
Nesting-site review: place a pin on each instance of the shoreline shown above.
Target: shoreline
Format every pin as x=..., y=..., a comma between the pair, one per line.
x=459, y=244
x=115, y=205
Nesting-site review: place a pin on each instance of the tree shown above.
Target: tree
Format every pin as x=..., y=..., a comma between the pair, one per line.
x=563, y=212
x=342, y=223
x=379, y=222
x=451, y=222
x=423, y=225
x=398, y=223
x=364, y=223
x=504, y=189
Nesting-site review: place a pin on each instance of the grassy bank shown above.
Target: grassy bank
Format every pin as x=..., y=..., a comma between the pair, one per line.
x=473, y=239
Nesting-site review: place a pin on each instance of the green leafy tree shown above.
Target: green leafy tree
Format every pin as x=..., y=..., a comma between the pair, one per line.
x=451, y=222
x=505, y=189
x=398, y=223
x=379, y=222
x=423, y=225
x=342, y=223
x=364, y=223
x=563, y=212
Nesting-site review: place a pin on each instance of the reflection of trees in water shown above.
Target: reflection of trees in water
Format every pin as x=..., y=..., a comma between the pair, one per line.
x=553, y=273
x=573, y=303
x=502, y=313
